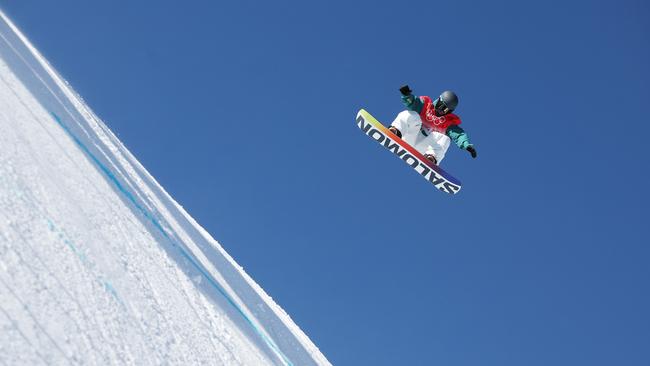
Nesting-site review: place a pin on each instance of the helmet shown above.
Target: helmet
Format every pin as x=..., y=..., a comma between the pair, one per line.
x=446, y=102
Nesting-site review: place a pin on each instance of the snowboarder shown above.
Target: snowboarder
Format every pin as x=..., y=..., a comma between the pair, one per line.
x=429, y=126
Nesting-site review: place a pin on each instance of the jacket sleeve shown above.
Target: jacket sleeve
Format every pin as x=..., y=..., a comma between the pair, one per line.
x=458, y=136
x=412, y=103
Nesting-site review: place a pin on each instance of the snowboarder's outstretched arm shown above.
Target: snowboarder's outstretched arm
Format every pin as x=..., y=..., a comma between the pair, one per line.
x=411, y=102
x=460, y=138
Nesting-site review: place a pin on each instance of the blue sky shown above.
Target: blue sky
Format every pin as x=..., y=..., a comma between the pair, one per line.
x=244, y=111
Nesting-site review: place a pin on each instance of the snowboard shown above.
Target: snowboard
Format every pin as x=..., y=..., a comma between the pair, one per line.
x=431, y=172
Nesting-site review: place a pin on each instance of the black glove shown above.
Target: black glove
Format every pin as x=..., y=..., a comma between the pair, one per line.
x=472, y=151
x=405, y=90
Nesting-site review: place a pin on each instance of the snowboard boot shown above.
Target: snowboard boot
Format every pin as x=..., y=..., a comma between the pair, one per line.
x=431, y=158
x=395, y=131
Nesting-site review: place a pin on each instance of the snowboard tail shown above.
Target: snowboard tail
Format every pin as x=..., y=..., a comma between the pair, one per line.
x=431, y=172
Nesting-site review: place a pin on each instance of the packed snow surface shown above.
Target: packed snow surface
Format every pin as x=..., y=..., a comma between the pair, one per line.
x=98, y=264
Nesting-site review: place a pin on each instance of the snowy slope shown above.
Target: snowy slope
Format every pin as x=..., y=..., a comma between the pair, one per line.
x=98, y=264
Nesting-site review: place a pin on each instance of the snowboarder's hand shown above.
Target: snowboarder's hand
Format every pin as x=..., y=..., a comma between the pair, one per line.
x=472, y=151
x=405, y=90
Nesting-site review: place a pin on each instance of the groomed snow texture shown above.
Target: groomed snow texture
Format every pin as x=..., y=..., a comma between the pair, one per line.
x=98, y=264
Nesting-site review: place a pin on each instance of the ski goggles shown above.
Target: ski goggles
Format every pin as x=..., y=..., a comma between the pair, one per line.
x=441, y=107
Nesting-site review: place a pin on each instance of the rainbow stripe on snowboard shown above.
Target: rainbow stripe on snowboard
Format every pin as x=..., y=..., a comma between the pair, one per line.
x=431, y=172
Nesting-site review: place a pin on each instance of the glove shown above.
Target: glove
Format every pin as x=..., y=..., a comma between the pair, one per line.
x=405, y=90
x=471, y=150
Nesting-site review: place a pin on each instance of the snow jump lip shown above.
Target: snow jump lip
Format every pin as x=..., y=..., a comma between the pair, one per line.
x=431, y=172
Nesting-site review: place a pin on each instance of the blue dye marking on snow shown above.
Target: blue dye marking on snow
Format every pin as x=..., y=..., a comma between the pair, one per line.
x=82, y=257
x=113, y=179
